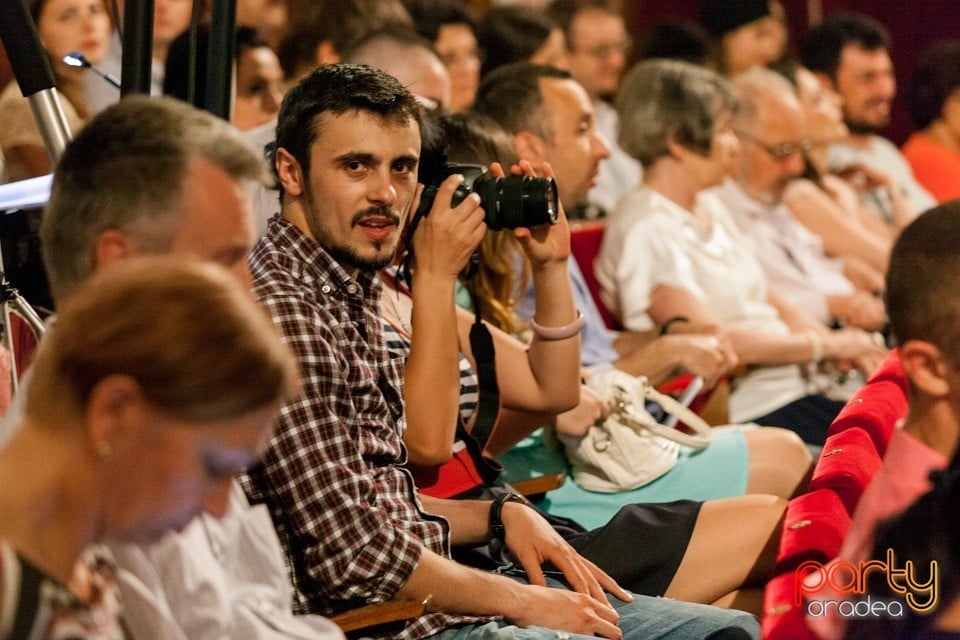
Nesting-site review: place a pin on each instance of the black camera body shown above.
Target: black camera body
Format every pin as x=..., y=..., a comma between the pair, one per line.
x=509, y=202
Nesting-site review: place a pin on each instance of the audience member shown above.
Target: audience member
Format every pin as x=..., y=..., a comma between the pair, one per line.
x=353, y=527
x=824, y=202
x=170, y=19
x=934, y=103
x=453, y=31
x=125, y=438
x=550, y=118
x=258, y=83
x=849, y=52
x=772, y=132
x=183, y=194
x=258, y=86
x=668, y=255
x=921, y=296
x=64, y=26
x=745, y=34
x=325, y=29
x=514, y=33
x=410, y=59
x=597, y=48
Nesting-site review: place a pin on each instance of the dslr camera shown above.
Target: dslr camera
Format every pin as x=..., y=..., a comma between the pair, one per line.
x=509, y=202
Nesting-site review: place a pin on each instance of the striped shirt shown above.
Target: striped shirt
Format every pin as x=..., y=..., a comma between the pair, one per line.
x=346, y=512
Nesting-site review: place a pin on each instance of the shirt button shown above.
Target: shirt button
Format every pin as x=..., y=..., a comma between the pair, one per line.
x=325, y=288
x=352, y=288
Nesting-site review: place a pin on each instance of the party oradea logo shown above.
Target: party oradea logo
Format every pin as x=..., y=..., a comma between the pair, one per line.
x=840, y=588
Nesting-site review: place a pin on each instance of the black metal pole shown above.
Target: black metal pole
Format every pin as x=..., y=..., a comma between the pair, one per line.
x=220, y=58
x=137, y=46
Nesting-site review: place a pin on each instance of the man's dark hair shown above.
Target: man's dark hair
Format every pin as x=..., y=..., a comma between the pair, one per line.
x=430, y=15
x=923, y=300
x=511, y=96
x=934, y=80
x=824, y=44
x=510, y=34
x=337, y=89
x=563, y=12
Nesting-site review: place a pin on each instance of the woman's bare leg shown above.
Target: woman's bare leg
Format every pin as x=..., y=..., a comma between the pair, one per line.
x=780, y=462
x=733, y=546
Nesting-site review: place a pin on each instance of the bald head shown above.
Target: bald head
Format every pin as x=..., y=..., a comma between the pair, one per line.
x=408, y=58
x=760, y=89
x=772, y=132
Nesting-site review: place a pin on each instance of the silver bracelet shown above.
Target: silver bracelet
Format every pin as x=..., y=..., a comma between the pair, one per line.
x=559, y=333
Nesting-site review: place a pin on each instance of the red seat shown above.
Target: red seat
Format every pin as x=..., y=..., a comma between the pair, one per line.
x=585, y=238
x=846, y=466
x=878, y=405
x=783, y=618
x=813, y=529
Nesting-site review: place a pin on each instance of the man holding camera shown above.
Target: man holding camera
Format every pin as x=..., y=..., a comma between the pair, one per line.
x=353, y=526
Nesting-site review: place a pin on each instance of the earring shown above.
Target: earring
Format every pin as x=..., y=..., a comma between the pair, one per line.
x=104, y=450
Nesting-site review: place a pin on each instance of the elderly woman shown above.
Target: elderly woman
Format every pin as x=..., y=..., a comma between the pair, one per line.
x=64, y=26
x=143, y=406
x=670, y=254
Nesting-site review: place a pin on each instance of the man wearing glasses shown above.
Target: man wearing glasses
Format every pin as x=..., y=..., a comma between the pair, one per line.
x=772, y=131
x=597, y=48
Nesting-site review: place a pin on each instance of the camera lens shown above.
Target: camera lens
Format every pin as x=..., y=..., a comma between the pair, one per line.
x=518, y=201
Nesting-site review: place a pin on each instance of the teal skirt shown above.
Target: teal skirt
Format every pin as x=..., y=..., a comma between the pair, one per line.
x=719, y=471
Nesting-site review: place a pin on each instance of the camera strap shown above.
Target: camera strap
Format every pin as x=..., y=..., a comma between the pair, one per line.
x=481, y=343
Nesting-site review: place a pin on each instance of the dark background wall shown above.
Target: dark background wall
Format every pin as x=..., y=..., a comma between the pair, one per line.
x=913, y=25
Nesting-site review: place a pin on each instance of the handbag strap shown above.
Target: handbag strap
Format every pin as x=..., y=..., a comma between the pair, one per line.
x=702, y=432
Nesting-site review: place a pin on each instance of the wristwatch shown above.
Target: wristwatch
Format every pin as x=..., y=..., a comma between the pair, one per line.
x=497, y=529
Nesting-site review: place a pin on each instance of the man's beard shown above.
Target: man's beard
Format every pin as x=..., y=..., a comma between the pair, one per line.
x=348, y=257
x=345, y=255
x=864, y=128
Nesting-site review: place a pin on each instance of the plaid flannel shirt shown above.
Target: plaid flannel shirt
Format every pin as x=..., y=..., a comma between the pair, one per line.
x=345, y=510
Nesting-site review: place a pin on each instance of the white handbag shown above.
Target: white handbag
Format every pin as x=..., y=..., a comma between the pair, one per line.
x=630, y=448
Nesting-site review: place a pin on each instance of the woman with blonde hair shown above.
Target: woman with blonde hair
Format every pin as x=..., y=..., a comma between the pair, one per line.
x=159, y=382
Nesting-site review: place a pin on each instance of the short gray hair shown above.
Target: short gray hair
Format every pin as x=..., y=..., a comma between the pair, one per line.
x=125, y=170
x=663, y=100
x=754, y=85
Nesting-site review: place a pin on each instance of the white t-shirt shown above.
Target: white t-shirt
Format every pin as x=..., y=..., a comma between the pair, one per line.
x=882, y=155
x=651, y=241
x=792, y=257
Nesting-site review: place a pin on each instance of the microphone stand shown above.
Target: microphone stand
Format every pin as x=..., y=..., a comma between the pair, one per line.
x=11, y=300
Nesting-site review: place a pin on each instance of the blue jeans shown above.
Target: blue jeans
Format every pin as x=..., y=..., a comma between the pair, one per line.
x=643, y=619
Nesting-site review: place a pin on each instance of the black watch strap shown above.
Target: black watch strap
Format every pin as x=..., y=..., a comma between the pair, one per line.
x=497, y=529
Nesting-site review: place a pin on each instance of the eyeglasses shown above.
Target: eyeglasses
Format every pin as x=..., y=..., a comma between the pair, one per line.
x=780, y=151
x=606, y=50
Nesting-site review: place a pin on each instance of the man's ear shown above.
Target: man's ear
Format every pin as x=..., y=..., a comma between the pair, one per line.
x=529, y=146
x=112, y=245
x=677, y=151
x=114, y=412
x=826, y=80
x=926, y=368
x=289, y=172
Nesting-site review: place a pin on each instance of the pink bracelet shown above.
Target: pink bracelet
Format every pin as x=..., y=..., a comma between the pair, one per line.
x=559, y=333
